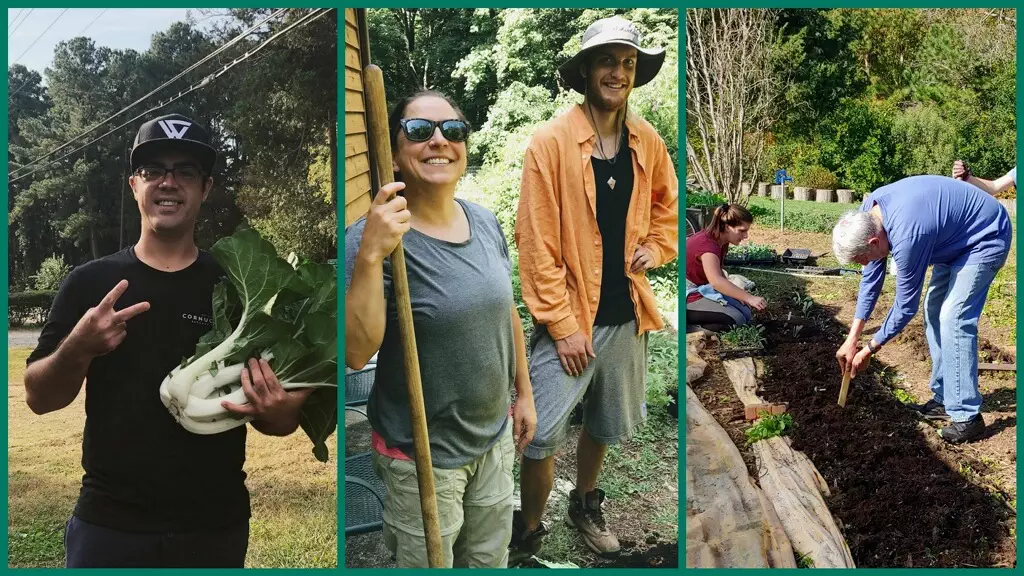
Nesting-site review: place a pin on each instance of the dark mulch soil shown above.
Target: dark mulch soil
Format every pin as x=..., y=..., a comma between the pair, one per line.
x=902, y=496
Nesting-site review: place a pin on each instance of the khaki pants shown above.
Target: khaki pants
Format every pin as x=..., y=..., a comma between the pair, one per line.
x=474, y=505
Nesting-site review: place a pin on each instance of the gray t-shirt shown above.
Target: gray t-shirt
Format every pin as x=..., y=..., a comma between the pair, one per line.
x=462, y=312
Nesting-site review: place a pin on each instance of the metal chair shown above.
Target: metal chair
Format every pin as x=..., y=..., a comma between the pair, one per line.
x=364, y=490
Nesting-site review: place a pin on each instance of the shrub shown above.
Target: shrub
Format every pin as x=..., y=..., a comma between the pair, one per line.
x=51, y=273
x=28, y=307
x=815, y=176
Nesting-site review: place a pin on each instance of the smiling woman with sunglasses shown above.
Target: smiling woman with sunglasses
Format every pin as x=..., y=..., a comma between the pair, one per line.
x=470, y=341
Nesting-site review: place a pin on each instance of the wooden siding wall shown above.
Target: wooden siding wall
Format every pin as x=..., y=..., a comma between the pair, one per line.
x=357, y=157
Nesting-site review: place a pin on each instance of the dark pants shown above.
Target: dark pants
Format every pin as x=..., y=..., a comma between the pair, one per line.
x=90, y=546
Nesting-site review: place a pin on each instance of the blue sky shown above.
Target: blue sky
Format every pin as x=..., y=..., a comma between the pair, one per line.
x=114, y=27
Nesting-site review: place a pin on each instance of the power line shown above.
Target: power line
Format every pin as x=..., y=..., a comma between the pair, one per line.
x=316, y=13
x=16, y=60
x=15, y=29
x=202, y=61
x=93, y=22
x=15, y=19
x=25, y=83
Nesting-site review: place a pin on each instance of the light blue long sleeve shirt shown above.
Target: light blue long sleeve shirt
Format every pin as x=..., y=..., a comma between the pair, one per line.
x=929, y=220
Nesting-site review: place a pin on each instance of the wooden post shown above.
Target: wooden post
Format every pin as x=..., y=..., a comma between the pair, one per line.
x=380, y=140
x=845, y=389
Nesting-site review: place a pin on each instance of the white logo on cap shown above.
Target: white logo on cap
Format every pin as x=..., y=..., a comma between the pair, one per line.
x=170, y=127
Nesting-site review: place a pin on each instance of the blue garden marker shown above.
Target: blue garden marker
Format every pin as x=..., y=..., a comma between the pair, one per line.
x=781, y=179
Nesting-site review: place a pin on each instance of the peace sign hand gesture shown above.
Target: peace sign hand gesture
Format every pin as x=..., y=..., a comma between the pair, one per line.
x=102, y=329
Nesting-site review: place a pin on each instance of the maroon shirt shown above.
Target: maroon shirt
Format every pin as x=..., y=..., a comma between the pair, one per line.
x=698, y=245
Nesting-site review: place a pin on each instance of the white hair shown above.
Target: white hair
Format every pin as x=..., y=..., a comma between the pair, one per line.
x=851, y=234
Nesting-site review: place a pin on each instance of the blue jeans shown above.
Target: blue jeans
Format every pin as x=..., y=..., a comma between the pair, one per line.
x=747, y=314
x=956, y=295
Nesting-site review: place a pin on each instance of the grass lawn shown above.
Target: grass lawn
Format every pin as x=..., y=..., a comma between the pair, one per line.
x=294, y=497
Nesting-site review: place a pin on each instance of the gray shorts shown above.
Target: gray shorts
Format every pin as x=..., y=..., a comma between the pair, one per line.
x=613, y=388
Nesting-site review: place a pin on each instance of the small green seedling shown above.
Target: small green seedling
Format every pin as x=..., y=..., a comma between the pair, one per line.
x=748, y=336
x=760, y=252
x=804, y=561
x=803, y=302
x=769, y=426
x=903, y=396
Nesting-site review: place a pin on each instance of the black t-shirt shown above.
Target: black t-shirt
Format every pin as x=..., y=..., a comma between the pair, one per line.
x=143, y=471
x=616, y=305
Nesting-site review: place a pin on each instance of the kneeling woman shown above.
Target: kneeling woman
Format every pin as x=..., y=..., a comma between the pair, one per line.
x=712, y=301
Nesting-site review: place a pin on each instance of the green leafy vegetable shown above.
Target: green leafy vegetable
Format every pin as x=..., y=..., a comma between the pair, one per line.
x=283, y=311
x=768, y=426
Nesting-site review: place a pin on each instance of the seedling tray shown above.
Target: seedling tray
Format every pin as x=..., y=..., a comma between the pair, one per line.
x=797, y=256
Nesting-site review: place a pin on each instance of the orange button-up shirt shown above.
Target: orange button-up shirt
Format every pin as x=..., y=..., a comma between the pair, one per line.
x=560, y=246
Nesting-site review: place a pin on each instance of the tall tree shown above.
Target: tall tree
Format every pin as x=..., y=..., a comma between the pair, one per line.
x=732, y=95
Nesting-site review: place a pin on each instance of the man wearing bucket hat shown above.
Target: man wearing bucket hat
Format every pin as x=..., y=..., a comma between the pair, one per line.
x=597, y=209
x=153, y=495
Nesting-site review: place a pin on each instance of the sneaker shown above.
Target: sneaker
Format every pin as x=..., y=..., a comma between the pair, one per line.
x=524, y=545
x=931, y=410
x=589, y=520
x=960, y=432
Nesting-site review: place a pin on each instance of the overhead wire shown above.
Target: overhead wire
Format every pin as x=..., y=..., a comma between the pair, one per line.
x=316, y=13
x=18, y=59
x=15, y=29
x=202, y=61
x=25, y=83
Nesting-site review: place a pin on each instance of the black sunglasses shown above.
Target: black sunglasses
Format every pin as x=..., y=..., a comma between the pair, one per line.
x=421, y=129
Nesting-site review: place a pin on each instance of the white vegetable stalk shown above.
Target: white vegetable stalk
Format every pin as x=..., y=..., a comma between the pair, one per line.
x=201, y=412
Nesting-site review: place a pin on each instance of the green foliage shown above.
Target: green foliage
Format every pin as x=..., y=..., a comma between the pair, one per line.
x=662, y=367
x=28, y=307
x=800, y=215
x=752, y=252
x=51, y=273
x=273, y=120
x=746, y=336
x=769, y=426
x=703, y=200
x=815, y=176
x=881, y=94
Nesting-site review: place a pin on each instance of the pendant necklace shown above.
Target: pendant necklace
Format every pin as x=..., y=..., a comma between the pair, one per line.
x=618, y=143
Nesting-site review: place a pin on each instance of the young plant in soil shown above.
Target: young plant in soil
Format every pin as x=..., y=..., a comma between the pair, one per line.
x=768, y=426
x=744, y=337
x=803, y=302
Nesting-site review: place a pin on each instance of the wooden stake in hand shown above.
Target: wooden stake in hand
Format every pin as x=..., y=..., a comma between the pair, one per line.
x=844, y=389
x=380, y=139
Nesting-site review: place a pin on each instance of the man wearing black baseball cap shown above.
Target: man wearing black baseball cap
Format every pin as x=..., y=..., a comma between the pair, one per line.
x=597, y=209
x=153, y=495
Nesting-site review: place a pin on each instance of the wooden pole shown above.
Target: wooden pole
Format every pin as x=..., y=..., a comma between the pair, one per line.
x=845, y=389
x=380, y=140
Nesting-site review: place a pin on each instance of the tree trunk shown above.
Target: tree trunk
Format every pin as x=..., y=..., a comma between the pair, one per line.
x=731, y=96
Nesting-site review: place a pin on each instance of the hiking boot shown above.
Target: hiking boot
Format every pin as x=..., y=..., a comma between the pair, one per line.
x=524, y=545
x=960, y=432
x=931, y=410
x=588, y=518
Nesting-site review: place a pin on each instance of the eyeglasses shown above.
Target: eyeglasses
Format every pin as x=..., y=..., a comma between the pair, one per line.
x=182, y=173
x=421, y=129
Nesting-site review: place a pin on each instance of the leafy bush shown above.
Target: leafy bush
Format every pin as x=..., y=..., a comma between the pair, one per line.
x=815, y=176
x=703, y=199
x=662, y=367
x=28, y=307
x=51, y=273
